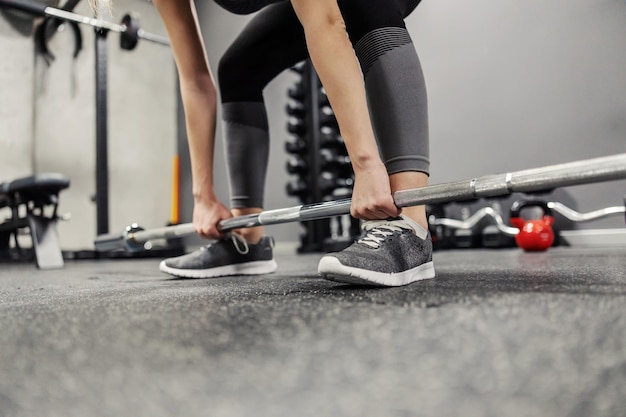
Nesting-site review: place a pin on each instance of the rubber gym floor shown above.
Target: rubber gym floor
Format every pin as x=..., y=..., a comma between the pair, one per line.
x=497, y=333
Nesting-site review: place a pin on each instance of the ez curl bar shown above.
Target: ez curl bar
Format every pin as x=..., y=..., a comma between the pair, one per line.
x=129, y=29
x=546, y=178
x=498, y=221
x=532, y=234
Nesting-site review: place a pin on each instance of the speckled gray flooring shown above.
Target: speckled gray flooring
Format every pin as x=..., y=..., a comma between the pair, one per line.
x=497, y=333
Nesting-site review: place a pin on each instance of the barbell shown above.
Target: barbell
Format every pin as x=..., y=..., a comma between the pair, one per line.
x=606, y=168
x=129, y=29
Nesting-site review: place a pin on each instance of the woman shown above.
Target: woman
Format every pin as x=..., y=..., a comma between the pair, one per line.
x=395, y=248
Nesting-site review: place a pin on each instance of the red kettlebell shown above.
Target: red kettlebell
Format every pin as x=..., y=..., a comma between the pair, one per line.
x=534, y=235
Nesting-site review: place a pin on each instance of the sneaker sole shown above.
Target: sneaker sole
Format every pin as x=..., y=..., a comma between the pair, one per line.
x=332, y=269
x=248, y=268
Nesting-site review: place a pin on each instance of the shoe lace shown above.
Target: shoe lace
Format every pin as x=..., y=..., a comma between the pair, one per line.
x=237, y=241
x=378, y=230
x=240, y=244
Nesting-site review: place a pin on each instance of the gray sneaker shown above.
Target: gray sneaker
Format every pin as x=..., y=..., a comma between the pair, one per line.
x=390, y=253
x=229, y=256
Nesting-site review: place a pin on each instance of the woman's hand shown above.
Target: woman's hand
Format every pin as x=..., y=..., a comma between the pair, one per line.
x=371, y=196
x=337, y=66
x=207, y=213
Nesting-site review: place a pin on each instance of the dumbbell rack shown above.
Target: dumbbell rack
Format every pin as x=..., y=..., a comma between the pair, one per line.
x=319, y=161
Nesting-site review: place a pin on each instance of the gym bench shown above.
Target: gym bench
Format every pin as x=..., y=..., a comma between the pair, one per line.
x=33, y=203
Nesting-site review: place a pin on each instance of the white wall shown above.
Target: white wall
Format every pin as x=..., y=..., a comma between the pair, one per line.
x=16, y=115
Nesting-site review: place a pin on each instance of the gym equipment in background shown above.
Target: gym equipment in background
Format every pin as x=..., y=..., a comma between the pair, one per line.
x=33, y=203
x=537, y=231
x=485, y=223
x=130, y=34
x=129, y=30
x=587, y=171
x=49, y=27
x=319, y=162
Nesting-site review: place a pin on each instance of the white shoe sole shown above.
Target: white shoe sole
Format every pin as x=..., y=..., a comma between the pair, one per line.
x=330, y=268
x=248, y=268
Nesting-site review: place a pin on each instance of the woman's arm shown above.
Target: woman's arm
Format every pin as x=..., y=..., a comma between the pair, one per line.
x=199, y=98
x=337, y=66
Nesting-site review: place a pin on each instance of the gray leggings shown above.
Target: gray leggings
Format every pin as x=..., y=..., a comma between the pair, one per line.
x=274, y=40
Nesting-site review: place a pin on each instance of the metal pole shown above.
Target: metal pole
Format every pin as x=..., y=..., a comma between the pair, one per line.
x=102, y=133
x=587, y=171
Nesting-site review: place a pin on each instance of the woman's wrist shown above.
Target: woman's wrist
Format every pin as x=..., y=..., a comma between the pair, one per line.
x=204, y=197
x=366, y=163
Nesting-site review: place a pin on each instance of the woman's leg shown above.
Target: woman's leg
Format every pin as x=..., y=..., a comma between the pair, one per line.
x=270, y=43
x=395, y=88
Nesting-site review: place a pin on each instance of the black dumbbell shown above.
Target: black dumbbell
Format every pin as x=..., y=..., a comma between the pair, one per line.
x=337, y=163
x=330, y=138
x=297, y=92
x=299, y=67
x=296, y=109
x=323, y=98
x=329, y=181
x=327, y=117
x=298, y=188
x=296, y=146
x=296, y=165
x=296, y=126
x=332, y=158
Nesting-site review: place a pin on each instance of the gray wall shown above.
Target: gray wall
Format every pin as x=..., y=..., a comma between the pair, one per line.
x=47, y=122
x=523, y=84
x=516, y=85
x=511, y=84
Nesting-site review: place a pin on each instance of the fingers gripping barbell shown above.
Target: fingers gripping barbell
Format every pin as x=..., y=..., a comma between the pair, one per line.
x=129, y=29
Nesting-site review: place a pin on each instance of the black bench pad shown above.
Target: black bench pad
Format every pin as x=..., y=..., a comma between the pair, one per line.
x=32, y=187
x=35, y=192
